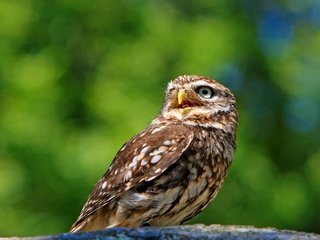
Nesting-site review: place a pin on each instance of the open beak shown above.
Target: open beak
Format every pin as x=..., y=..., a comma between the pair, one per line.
x=183, y=102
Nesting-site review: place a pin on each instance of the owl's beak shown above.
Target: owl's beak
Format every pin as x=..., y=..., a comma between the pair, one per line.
x=183, y=102
x=182, y=96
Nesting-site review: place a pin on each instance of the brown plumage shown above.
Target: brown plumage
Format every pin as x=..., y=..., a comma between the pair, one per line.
x=169, y=172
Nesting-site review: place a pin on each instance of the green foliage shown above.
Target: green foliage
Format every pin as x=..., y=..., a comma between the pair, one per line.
x=78, y=78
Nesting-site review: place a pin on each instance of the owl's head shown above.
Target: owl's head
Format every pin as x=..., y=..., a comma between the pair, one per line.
x=199, y=100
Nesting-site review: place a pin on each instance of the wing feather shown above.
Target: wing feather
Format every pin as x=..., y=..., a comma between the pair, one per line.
x=143, y=158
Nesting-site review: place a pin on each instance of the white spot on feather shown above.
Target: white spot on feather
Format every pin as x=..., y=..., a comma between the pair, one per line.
x=133, y=164
x=144, y=162
x=157, y=129
x=155, y=159
x=104, y=184
x=144, y=150
x=141, y=156
x=127, y=175
x=158, y=151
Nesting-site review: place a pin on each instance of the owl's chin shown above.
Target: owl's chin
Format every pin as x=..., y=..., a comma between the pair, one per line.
x=186, y=113
x=177, y=113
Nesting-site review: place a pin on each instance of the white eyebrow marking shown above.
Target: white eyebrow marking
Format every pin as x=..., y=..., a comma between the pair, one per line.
x=170, y=86
x=201, y=83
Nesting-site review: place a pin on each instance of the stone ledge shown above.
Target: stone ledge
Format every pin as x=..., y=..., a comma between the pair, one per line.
x=214, y=232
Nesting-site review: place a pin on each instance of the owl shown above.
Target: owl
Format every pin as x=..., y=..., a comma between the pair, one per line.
x=170, y=171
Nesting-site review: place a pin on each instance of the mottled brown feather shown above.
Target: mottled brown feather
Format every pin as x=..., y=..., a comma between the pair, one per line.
x=169, y=172
x=114, y=178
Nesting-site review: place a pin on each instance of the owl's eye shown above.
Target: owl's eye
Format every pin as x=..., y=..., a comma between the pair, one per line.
x=205, y=92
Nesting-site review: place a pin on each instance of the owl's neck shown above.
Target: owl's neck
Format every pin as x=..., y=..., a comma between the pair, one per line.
x=222, y=121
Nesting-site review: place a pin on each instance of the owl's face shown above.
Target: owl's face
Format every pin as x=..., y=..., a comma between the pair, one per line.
x=198, y=100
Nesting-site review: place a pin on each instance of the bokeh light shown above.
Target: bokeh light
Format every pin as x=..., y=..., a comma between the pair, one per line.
x=79, y=78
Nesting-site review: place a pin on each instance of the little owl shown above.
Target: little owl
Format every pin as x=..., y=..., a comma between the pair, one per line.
x=170, y=171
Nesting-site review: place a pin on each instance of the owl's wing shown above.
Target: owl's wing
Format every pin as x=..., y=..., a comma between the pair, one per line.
x=142, y=158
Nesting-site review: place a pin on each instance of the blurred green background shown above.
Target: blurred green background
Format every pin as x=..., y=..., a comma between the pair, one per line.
x=78, y=78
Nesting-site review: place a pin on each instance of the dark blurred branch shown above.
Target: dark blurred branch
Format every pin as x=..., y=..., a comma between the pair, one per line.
x=185, y=232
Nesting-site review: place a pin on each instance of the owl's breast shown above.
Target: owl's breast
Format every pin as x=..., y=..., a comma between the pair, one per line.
x=214, y=145
x=186, y=187
x=191, y=184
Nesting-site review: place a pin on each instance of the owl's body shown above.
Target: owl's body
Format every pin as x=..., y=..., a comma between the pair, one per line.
x=170, y=171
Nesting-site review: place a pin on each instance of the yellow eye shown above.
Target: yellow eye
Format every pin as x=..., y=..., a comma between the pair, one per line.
x=205, y=92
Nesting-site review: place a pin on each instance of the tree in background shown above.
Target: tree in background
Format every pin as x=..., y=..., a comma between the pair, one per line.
x=78, y=78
